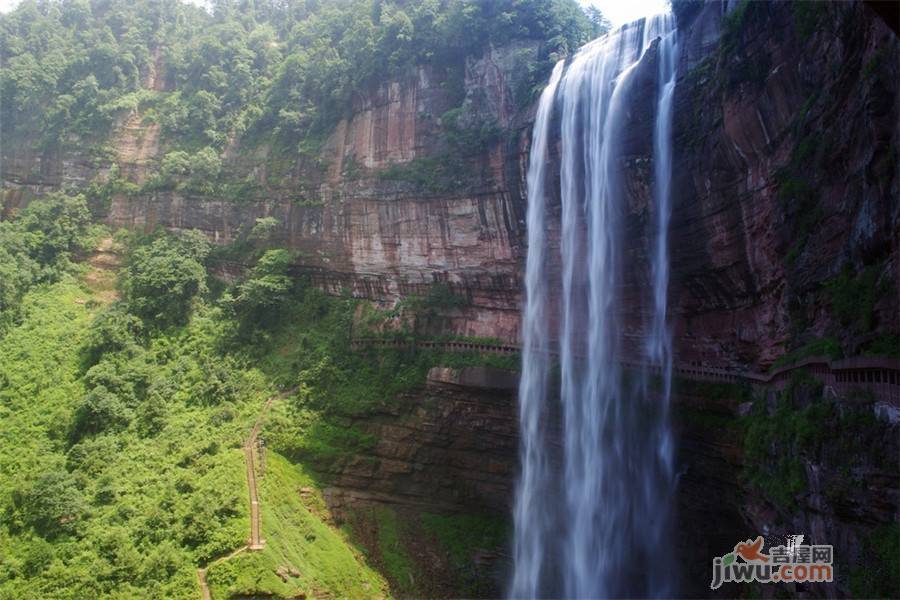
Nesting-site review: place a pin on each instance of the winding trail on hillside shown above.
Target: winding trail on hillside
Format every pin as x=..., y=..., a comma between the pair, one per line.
x=257, y=542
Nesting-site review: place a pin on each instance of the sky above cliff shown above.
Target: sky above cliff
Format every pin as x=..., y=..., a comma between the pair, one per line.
x=620, y=12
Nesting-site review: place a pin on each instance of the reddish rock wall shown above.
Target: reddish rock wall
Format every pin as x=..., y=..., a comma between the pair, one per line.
x=777, y=103
x=785, y=173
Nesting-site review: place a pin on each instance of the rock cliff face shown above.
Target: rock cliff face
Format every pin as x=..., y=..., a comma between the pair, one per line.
x=785, y=174
x=797, y=463
x=449, y=446
x=367, y=214
x=786, y=137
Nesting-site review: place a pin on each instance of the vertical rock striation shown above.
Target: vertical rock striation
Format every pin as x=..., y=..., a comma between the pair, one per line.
x=784, y=175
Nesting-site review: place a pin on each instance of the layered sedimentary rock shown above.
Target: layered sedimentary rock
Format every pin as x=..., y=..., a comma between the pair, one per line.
x=785, y=173
x=786, y=129
x=451, y=445
x=383, y=236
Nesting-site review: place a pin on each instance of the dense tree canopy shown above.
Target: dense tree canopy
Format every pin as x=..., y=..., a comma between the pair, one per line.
x=36, y=246
x=164, y=277
x=71, y=66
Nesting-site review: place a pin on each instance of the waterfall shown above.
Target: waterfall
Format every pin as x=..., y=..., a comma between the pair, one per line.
x=532, y=527
x=590, y=526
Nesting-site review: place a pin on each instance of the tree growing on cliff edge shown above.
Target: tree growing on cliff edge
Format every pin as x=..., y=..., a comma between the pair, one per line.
x=68, y=64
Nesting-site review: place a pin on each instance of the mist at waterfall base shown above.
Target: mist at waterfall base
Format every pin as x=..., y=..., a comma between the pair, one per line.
x=593, y=505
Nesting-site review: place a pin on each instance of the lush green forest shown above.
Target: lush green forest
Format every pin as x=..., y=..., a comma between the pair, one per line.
x=130, y=376
x=126, y=391
x=246, y=66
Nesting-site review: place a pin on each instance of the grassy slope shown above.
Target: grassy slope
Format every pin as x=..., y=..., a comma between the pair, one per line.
x=298, y=541
x=156, y=506
x=144, y=495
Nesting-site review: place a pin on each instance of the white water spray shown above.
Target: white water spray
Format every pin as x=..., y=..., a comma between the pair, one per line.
x=611, y=516
x=532, y=494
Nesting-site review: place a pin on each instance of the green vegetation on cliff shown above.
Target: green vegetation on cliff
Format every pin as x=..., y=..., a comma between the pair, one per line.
x=38, y=247
x=123, y=415
x=243, y=69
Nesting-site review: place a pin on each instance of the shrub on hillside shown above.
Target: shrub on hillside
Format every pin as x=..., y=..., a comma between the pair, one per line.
x=114, y=330
x=164, y=277
x=100, y=410
x=52, y=505
x=257, y=302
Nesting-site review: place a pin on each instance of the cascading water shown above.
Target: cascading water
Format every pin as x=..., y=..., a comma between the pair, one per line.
x=599, y=530
x=533, y=493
